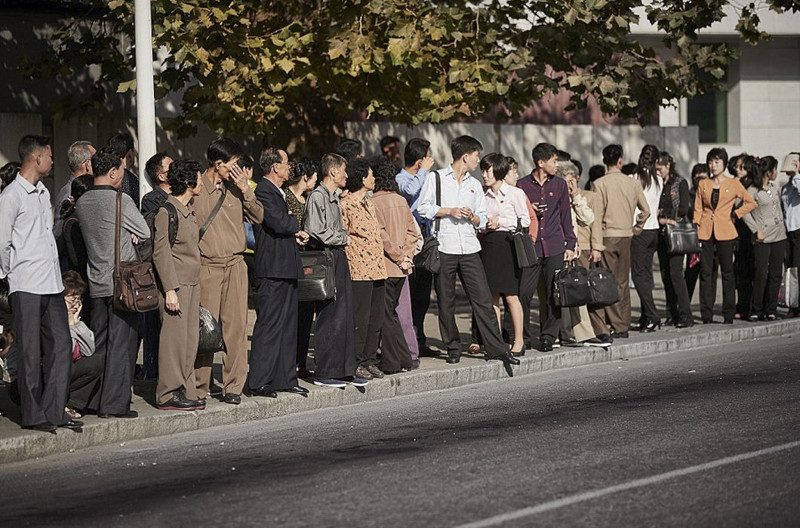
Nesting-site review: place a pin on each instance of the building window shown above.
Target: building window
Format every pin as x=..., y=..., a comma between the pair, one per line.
x=709, y=113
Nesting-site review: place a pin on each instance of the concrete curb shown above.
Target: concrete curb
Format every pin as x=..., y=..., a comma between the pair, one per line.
x=435, y=375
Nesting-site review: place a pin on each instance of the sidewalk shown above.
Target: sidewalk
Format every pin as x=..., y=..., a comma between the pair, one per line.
x=17, y=444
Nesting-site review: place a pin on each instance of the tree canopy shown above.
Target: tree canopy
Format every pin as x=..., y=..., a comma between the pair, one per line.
x=260, y=67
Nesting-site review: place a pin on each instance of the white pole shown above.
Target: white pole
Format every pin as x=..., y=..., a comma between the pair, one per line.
x=145, y=97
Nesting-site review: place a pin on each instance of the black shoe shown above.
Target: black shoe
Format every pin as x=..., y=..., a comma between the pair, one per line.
x=214, y=390
x=263, y=391
x=669, y=321
x=603, y=340
x=179, y=402
x=129, y=414
x=424, y=351
x=727, y=321
x=44, y=427
x=546, y=345
x=619, y=335
x=708, y=321
x=413, y=366
x=302, y=391
x=233, y=399
x=650, y=326
x=684, y=322
x=518, y=353
x=453, y=359
x=73, y=425
x=507, y=360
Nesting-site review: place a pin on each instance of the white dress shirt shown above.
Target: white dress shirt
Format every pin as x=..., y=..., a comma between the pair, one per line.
x=456, y=237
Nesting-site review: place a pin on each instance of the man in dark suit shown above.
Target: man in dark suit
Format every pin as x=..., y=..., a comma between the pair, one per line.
x=277, y=270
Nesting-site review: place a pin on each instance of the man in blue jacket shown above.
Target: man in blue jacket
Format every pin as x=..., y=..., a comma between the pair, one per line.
x=277, y=270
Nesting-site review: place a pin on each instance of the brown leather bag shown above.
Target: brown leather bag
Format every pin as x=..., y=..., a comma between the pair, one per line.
x=134, y=282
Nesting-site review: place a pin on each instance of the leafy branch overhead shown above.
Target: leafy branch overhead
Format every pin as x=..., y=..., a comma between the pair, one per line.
x=254, y=66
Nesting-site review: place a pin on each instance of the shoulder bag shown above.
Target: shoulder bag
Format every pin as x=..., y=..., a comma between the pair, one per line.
x=571, y=286
x=605, y=290
x=134, y=282
x=681, y=238
x=428, y=257
x=319, y=279
x=211, y=340
x=524, y=249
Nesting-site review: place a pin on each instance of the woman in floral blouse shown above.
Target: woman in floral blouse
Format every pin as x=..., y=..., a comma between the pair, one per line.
x=365, y=256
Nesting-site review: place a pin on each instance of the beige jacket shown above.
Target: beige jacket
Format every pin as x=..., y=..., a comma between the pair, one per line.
x=584, y=213
x=399, y=230
x=618, y=196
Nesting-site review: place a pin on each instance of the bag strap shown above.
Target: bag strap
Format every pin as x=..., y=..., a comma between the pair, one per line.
x=118, y=226
x=214, y=212
x=172, y=215
x=438, y=220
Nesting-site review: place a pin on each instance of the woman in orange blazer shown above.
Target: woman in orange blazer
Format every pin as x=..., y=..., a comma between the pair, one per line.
x=713, y=214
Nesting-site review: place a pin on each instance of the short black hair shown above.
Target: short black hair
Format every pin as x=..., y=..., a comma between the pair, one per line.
x=8, y=173
x=498, y=162
x=183, y=175
x=511, y=162
x=464, y=145
x=731, y=165
x=269, y=157
x=718, y=153
x=384, y=172
x=79, y=186
x=223, y=149
x=563, y=155
x=331, y=161
x=301, y=168
x=349, y=149
x=121, y=142
x=543, y=152
x=153, y=166
x=388, y=140
x=416, y=149
x=612, y=154
x=30, y=144
x=357, y=170
x=246, y=161
x=629, y=169
x=699, y=168
x=105, y=159
x=579, y=166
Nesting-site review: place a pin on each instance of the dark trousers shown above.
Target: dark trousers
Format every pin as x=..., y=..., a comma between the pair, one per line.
x=469, y=269
x=794, y=248
x=675, y=289
x=45, y=356
x=545, y=270
x=768, y=267
x=395, y=354
x=305, y=319
x=334, y=346
x=116, y=336
x=743, y=269
x=369, y=300
x=150, y=330
x=723, y=251
x=85, y=381
x=643, y=247
x=419, y=284
x=274, y=346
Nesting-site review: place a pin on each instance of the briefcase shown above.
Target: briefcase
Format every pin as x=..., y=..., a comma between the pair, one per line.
x=681, y=238
x=571, y=286
x=605, y=290
x=319, y=277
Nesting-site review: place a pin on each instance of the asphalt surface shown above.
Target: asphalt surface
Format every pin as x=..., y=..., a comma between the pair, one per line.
x=671, y=440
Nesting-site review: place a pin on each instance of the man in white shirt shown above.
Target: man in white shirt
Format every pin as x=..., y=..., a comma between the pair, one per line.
x=28, y=257
x=462, y=210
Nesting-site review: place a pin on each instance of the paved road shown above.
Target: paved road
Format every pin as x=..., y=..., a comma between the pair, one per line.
x=671, y=440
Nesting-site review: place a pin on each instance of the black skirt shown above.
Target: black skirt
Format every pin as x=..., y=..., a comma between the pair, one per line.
x=499, y=262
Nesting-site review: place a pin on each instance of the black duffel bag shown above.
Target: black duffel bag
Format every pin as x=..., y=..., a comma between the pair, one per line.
x=571, y=286
x=319, y=277
x=605, y=290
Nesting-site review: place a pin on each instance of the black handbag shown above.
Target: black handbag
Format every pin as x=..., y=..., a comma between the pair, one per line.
x=571, y=286
x=605, y=290
x=428, y=257
x=211, y=340
x=524, y=249
x=319, y=277
x=681, y=238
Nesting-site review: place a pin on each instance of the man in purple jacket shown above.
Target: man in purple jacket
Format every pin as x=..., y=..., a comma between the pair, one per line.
x=556, y=239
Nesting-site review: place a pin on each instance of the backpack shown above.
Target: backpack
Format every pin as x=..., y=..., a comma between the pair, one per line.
x=146, y=247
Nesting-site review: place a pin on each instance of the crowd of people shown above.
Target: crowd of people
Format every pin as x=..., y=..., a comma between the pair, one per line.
x=72, y=349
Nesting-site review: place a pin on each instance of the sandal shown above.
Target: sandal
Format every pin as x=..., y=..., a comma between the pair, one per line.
x=474, y=349
x=72, y=413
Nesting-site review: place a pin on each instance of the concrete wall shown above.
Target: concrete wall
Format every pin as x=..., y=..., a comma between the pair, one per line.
x=584, y=142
